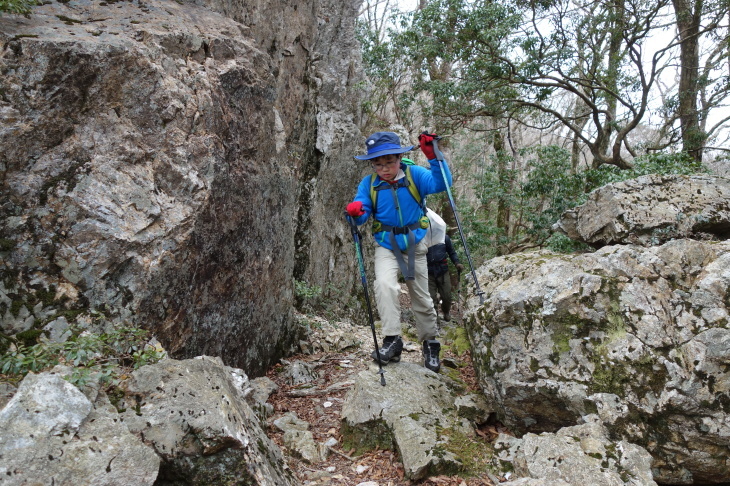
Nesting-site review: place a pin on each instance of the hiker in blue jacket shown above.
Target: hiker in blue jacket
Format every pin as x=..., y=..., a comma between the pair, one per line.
x=394, y=197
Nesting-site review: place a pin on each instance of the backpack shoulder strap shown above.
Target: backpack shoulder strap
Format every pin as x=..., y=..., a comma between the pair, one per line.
x=373, y=192
x=413, y=189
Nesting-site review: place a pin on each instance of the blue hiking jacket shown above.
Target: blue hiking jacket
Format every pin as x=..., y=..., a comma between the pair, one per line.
x=428, y=181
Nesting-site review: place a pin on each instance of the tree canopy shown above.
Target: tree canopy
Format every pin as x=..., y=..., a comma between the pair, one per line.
x=589, y=69
x=545, y=100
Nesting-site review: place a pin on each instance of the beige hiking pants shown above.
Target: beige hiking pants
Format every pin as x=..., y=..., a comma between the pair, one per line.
x=387, y=291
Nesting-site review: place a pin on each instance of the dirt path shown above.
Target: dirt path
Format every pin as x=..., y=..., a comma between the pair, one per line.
x=340, y=351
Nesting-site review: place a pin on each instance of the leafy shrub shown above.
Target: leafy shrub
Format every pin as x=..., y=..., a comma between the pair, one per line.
x=537, y=198
x=658, y=163
x=105, y=356
x=331, y=302
x=20, y=7
x=304, y=291
x=560, y=243
x=308, y=298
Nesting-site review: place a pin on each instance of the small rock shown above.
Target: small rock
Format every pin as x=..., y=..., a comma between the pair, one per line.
x=299, y=373
x=290, y=421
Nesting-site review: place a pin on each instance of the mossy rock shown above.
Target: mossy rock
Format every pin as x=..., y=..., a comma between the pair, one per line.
x=366, y=437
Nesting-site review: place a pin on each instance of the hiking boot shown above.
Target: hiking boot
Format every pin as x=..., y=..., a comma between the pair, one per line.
x=431, y=350
x=391, y=350
x=447, y=317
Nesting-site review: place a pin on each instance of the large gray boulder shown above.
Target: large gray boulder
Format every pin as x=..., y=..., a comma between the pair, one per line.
x=418, y=414
x=161, y=164
x=651, y=210
x=638, y=336
x=577, y=455
x=194, y=414
x=52, y=433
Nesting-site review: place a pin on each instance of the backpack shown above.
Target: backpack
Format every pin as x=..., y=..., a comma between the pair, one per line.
x=436, y=232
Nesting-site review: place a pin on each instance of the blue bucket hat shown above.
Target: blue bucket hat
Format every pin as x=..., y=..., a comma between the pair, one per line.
x=383, y=143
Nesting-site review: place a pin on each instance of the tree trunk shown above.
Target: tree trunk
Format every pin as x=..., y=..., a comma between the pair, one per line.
x=505, y=182
x=689, y=14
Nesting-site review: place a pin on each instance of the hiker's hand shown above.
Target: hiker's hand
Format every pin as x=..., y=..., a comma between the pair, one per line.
x=355, y=209
x=460, y=267
x=426, y=140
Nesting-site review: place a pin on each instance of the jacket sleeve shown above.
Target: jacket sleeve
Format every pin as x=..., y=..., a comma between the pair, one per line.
x=431, y=181
x=363, y=195
x=450, y=250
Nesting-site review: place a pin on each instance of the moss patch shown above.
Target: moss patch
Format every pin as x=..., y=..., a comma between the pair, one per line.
x=410, y=334
x=29, y=337
x=6, y=244
x=68, y=20
x=474, y=455
x=366, y=437
x=458, y=340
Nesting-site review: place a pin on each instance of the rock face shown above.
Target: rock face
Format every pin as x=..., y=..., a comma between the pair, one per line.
x=195, y=416
x=54, y=434
x=651, y=210
x=172, y=423
x=581, y=454
x=161, y=164
x=638, y=336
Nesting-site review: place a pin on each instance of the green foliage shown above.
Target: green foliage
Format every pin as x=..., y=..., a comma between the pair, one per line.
x=537, y=198
x=307, y=298
x=387, y=70
x=550, y=189
x=446, y=43
x=19, y=7
x=656, y=163
x=104, y=356
x=532, y=202
x=330, y=302
x=560, y=243
x=29, y=337
x=483, y=237
x=411, y=56
x=303, y=291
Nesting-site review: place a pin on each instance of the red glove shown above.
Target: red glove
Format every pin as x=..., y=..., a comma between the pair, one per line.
x=426, y=140
x=355, y=209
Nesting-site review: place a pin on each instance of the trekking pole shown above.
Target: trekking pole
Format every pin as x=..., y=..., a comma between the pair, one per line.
x=357, y=237
x=440, y=158
x=458, y=287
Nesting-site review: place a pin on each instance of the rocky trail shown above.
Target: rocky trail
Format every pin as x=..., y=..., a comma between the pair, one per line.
x=339, y=351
